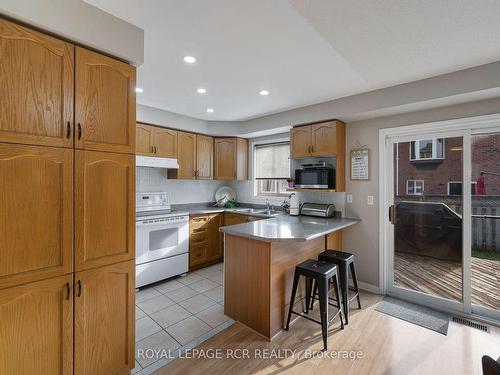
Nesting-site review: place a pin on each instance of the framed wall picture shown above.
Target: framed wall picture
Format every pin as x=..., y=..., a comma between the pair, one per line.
x=360, y=159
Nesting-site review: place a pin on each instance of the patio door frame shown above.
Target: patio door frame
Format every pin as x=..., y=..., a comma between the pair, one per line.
x=465, y=128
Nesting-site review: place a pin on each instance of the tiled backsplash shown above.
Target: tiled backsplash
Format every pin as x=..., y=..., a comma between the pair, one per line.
x=180, y=191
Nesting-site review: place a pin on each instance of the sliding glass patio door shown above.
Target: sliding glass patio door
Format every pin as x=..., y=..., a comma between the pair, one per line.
x=441, y=215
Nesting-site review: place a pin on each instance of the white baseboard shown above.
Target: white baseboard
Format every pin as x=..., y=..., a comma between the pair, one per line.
x=365, y=286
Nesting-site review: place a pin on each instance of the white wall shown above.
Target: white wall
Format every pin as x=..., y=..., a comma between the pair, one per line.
x=82, y=23
x=160, y=117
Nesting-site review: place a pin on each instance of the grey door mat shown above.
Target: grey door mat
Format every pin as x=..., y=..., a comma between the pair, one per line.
x=416, y=314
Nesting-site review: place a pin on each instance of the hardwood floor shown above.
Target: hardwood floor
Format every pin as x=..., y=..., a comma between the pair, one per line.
x=387, y=345
x=444, y=278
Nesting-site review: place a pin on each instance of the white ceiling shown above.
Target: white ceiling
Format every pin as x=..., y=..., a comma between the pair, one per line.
x=302, y=51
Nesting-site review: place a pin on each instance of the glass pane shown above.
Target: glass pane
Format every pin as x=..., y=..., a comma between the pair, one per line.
x=425, y=151
x=486, y=220
x=439, y=148
x=428, y=227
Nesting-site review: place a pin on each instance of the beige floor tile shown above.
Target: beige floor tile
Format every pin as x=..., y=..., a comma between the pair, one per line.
x=170, y=315
x=181, y=294
x=190, y=278
x=146, y=293
x=216, y=277
x=217, y=294
x=155, y=304
x=139, y=313
x=213, y=316
x=208, y=270
x=197, y=303
x=145, y=327
x=203, y=285
x=158, y=341
x=188, y=329
x=168, y=286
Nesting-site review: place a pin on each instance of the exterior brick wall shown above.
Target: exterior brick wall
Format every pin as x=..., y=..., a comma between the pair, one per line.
x=437, y=174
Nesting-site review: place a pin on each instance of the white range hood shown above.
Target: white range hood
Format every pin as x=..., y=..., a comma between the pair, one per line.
x=149, y=161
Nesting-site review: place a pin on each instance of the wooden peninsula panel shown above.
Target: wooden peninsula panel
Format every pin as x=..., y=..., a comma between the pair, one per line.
x=258, y=279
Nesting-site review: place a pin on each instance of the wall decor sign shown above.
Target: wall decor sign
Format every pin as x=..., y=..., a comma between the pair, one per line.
x=359, y=164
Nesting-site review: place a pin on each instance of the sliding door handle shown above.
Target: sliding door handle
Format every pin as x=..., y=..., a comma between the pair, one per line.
x=392, y=214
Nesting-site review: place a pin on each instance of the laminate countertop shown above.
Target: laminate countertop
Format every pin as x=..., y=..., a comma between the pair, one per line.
x=289, y=228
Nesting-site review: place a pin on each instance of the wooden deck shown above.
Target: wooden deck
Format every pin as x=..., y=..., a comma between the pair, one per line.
x=444, y=278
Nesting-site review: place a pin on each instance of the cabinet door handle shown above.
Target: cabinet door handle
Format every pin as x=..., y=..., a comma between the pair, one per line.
x=312, y=149
x=79, y=293
x=68, y=130
x=79, y=131
x=68, y=291
x=155, y=149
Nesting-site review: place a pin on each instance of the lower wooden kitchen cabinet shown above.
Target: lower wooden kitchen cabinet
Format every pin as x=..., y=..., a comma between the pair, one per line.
x=233, y=219
x=205, y=241
x=105, y=319
x=36, y=323
x=36, y=327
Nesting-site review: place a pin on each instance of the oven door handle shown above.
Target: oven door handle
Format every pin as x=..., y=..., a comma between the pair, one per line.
x=164, y=224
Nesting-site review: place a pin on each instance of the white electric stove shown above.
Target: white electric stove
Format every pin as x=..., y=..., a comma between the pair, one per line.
x=162, y=239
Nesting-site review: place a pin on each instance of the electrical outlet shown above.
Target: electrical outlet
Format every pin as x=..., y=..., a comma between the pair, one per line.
x=370, y=200
x=349, y=198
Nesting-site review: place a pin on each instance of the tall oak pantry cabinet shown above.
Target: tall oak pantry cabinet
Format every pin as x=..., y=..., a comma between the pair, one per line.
x=67, y=191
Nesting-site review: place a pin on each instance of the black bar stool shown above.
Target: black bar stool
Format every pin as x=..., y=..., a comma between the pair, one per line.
x=344, y=261
x=321, y=273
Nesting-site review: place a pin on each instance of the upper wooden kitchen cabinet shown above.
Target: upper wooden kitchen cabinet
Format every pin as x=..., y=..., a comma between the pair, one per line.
x=165, y=142
x=104, y=103
x=156, y=141
x=231, y=159
x=36, y=327
x=204, y=157
x=36, y=87
x=144, y=139
x=36, y=213
x=186, y=155
x=104, y=208
x=319, y=139
x=105, y=319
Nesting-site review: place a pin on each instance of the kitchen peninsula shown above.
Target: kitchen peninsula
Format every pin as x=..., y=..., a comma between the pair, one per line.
x=259, y=263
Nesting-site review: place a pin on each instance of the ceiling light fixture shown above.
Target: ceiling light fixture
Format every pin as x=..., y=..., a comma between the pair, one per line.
x=264, y=92
x=201, y=90
x=139, y=90
x=189, y=59
x=210, y=110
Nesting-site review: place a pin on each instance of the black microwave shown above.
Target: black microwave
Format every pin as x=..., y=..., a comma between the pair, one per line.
x=315, y=176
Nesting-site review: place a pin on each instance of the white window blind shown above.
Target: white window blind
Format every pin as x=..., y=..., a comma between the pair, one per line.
x=272, y=161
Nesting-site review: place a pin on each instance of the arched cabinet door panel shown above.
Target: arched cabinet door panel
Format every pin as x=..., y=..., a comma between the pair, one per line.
x=36, y=87
x=104, y=103
x=36, y=213
x=36, y=327
x=300, y=142
x=104, y=319
x=104, y=208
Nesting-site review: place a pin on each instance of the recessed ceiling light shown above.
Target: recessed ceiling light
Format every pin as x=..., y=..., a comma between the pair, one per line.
x=189, y=59
x=210, y=110
x=201, y=90
x=264, y=92
x=138, y=89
